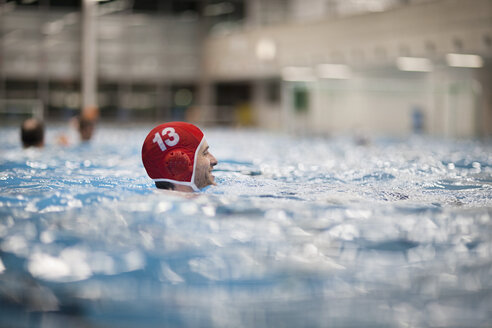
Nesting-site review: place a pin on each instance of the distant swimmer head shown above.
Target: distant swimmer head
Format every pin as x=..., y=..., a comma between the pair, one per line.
x=32, y=133
x=177, y=153
x=86, y=128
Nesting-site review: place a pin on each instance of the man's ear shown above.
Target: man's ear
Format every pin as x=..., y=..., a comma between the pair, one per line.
x=178, y=164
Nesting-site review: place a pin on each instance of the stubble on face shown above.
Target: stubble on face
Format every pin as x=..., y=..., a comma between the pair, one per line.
x=204, y=166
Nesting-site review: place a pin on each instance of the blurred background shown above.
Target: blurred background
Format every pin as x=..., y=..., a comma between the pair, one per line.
x=388, y=67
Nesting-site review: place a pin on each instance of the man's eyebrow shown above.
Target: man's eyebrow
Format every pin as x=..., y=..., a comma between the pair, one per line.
x=206, y=149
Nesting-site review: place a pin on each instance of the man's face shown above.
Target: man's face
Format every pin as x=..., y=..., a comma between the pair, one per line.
x=204, y=165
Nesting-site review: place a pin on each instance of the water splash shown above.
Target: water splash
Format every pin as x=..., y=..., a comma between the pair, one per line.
x=298, y=232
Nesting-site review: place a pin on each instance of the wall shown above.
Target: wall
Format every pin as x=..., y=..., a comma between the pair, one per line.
x=379, y=98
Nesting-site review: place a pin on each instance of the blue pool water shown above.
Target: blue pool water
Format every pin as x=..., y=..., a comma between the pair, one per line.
x=299, y=232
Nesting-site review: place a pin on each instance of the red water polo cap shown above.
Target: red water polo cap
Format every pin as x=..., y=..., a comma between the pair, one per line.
x=169, y=153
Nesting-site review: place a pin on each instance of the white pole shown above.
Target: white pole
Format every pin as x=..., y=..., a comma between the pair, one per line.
x=89, y=57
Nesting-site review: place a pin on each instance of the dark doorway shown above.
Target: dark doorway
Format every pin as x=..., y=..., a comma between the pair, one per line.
x=230, y=98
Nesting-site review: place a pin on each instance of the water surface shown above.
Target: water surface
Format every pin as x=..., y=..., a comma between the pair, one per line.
x=299, y=232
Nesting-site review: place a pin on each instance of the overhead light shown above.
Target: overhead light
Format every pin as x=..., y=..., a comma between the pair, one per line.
x=70, y=18
x=298, y=73
x=414, y=64
x=334, y=71
x=464, y=60
x=108, y=32
x=52, y=28
x=222, y=8
x=266, y=49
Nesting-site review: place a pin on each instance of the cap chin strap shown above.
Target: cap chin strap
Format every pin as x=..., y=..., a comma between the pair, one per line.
x=182, y=183
x=187, y=183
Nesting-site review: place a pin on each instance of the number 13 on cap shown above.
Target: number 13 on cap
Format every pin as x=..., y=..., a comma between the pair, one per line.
x=171, y=140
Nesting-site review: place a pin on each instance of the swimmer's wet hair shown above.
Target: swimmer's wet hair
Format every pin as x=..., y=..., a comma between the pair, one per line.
x=165, y=185
x=85, y=123
x=32, y=133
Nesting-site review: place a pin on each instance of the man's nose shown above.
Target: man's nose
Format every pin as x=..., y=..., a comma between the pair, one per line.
x=213, y=160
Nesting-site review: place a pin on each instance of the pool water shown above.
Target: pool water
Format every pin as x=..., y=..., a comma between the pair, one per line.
x=300, y=232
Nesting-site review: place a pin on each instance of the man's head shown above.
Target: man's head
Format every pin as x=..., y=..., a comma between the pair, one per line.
x=32, y=133
x=86, y=128
x=177, y=153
